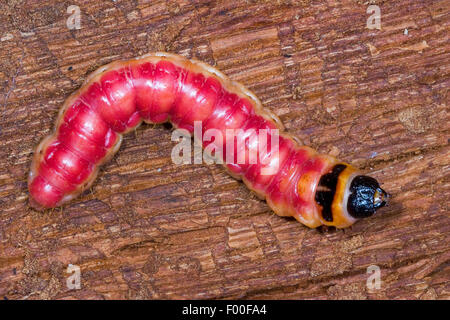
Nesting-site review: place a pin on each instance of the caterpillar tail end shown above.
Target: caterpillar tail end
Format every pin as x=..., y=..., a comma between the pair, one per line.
x=42, y=195
x=35, y=205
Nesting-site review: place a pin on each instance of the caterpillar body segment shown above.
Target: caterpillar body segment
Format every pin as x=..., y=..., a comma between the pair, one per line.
x=295, y=180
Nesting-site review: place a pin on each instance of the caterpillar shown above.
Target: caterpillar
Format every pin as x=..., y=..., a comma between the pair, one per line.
x=158, y=87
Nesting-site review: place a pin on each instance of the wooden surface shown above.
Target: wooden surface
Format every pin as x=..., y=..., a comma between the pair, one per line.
x=150, y=229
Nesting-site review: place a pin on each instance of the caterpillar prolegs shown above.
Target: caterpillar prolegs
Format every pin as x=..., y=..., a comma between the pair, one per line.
x=313, y=188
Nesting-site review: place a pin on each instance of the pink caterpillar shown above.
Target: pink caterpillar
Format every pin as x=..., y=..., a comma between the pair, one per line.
x=315, y=189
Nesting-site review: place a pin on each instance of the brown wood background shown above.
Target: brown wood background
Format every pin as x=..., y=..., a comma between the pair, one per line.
x=150, y=229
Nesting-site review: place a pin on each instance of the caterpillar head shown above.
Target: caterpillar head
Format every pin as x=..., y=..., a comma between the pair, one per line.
x=366, y=197
x=345, y=196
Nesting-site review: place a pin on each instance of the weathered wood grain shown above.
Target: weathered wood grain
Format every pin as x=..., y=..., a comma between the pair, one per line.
x=151, y=229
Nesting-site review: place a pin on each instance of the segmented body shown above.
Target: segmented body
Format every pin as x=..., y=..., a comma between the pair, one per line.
x=164, y=87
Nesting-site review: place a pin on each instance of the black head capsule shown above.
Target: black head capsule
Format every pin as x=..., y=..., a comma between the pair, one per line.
x=366, y=197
